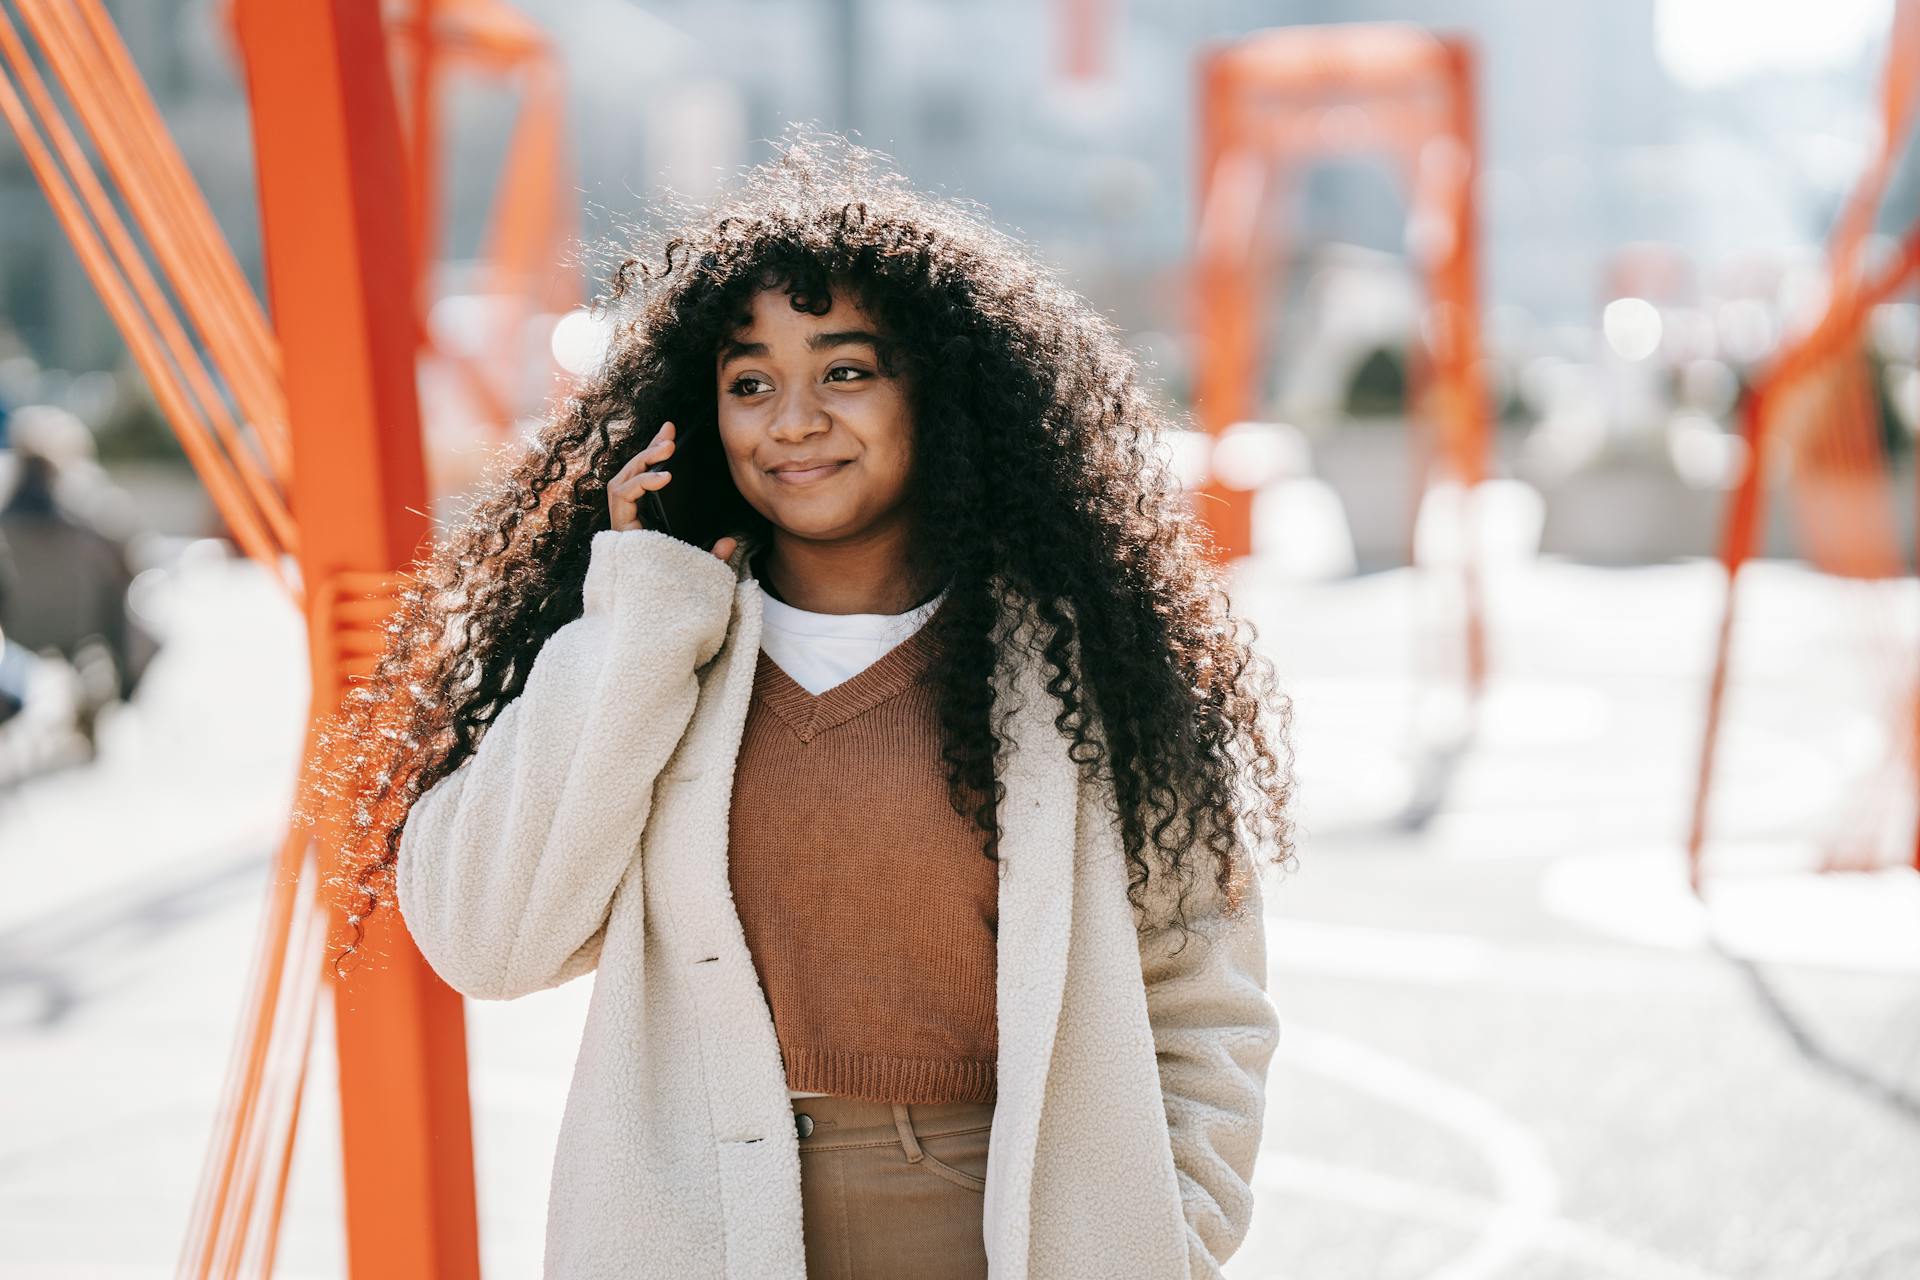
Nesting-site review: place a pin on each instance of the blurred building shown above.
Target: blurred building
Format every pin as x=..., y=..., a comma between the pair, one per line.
x=1607, y=123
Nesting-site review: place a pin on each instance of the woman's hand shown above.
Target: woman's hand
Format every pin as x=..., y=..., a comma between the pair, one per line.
x=633, y=481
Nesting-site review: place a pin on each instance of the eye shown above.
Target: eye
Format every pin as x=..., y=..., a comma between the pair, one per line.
x=847, y=368
x=735, y=385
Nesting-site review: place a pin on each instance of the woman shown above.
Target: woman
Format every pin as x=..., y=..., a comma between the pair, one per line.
x=840, y=674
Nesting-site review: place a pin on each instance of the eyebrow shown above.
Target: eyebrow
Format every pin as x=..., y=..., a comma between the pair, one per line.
x=730, y=350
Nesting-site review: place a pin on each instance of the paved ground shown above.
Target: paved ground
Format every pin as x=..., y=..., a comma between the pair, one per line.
x=1512, y=1048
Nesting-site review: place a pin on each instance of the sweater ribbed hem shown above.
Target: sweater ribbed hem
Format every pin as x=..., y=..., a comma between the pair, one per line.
x=880, y=1077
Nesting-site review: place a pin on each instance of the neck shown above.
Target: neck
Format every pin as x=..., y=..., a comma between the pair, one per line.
x=867, y=573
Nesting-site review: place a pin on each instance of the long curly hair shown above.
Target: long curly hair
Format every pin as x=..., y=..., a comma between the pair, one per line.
x=1038, y=461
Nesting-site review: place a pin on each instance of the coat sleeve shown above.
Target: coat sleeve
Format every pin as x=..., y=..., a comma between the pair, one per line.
x=507, y=866
x=1214, y=1033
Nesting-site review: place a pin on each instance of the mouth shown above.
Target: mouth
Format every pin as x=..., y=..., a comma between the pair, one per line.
x=808, y=475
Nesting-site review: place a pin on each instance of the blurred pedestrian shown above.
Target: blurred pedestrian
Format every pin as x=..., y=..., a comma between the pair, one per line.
x=64, y=568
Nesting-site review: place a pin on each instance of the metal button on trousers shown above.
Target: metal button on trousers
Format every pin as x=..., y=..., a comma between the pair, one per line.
x=891, y=1189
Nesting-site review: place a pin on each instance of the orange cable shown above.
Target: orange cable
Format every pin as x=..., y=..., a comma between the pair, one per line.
x=142, y=153
x=107, y=117
x=289, y=1045
x=310, y=1005
x=241, y=1169
x=159, y=316
x=252, y=354
x=257, y=541
x=240, y=1090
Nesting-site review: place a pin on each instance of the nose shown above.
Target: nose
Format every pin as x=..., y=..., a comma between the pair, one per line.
x=799, y=414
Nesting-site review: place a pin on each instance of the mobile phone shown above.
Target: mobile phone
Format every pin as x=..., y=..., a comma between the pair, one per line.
x=704, y=501
x=656, y=509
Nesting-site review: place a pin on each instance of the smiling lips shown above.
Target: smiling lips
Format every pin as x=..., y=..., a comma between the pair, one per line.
x=807, y=475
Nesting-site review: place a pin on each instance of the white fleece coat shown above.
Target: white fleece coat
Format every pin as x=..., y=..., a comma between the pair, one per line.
x=589, y=829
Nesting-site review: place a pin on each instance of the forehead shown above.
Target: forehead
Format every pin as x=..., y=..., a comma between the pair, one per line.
x=773, y=324
x=774, y=309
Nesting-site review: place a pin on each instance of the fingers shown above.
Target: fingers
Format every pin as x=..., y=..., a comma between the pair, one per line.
x=725, y=547
x=659, y=447
x=623, y=497
x=632, y=482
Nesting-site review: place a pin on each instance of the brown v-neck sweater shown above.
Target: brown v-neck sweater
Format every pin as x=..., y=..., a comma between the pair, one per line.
x=868, y=906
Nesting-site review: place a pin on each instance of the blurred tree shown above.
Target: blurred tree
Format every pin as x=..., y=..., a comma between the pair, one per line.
x=1895, y=439
x=134, y=429
x=1378, y=387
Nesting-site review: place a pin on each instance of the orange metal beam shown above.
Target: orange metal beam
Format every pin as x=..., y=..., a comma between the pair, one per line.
x=1274, y=100
x=1084, y=29
x=339, y=267
x=1360, y=60
x=423, y=107
x=1823, y=350
x=532, y=219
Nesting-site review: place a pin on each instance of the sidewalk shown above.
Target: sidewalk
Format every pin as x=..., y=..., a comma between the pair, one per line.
x=1511, y=1047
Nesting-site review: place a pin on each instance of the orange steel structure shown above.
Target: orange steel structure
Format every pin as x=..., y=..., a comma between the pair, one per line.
x=533, y=216
x=340, y=237
x=1084, y=27
x=244, y=451
x=306, y=433
x=1815, y=402
x=1276, y=99
x=316, y=414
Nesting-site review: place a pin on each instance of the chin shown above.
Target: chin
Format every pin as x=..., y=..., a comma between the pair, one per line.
x=795, y=520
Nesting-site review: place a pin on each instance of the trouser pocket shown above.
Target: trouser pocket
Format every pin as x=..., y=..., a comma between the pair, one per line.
x=958, y=1155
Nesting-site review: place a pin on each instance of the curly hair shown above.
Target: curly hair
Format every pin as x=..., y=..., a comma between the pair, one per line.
x=1038, y=461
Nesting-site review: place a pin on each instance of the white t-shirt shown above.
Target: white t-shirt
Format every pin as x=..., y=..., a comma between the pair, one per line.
x=821, y=650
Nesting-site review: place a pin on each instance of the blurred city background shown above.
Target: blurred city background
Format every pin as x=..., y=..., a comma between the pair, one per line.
x=1602, y=954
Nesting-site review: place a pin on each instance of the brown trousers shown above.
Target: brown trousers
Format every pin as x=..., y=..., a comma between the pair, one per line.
x=892, y=1189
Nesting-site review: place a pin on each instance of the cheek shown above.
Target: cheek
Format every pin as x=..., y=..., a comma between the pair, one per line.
x=893, y=431
x=736, y=441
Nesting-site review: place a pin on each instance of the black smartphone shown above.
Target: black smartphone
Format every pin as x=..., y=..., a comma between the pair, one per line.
x=653, y=505
x=656, y=509
x=701, y=503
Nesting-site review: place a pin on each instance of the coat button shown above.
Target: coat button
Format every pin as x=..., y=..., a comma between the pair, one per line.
x=803, y=1124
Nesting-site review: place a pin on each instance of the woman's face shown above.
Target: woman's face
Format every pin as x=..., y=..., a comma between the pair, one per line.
x=798, y=389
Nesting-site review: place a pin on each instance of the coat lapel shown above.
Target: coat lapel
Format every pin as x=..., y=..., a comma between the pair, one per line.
x=1038, y=834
